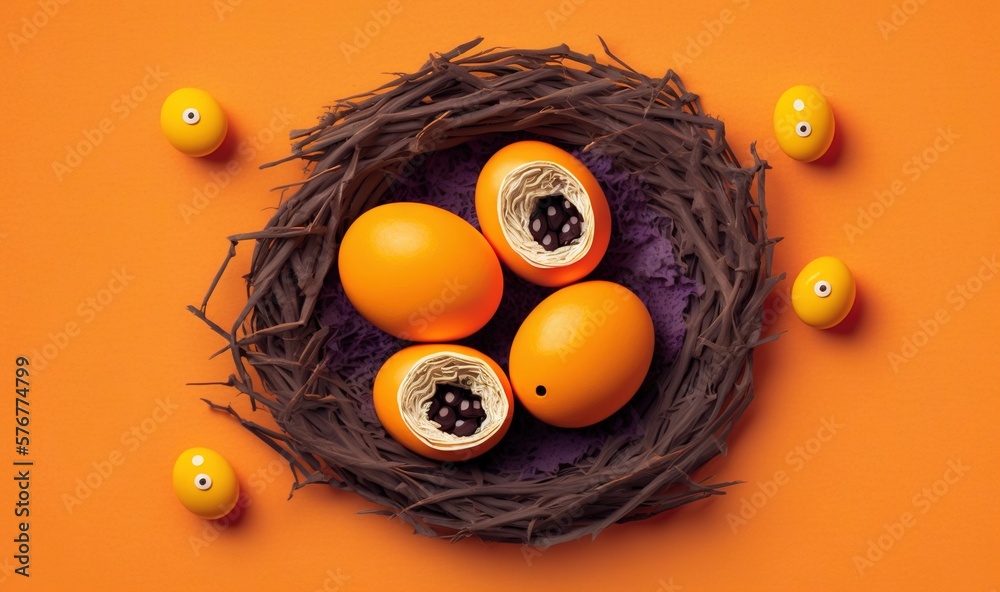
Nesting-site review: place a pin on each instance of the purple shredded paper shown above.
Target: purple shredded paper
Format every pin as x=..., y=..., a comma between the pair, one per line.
x=640, y=257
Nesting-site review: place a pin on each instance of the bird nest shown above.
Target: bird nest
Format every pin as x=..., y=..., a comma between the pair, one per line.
x=704, y=240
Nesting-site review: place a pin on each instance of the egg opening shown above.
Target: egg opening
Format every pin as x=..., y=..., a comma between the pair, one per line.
x=545, y=213
x=442, y=422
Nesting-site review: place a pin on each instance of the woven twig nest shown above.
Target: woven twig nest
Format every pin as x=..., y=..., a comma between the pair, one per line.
x=650, y=128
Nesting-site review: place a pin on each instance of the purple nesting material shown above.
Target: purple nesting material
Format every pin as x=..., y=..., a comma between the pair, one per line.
x=640, y=257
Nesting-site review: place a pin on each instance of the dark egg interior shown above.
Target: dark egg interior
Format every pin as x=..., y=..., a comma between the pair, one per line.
x=555, y=222
x=456, y=409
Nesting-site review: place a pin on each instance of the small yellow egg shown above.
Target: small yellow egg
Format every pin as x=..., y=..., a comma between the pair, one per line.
x=205, y=483
x=823, y=292
x=803, y=123
x=193, y=121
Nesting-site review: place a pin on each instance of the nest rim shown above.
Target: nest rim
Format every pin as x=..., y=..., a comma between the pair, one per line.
x=719, y=235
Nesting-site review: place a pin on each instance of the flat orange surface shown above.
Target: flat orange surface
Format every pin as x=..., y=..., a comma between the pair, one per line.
x=869, y=455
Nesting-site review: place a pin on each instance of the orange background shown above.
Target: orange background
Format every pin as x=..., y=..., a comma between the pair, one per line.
x=119, y=209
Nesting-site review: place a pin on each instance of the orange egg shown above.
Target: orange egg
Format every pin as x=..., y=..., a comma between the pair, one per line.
x=543, y=212
x=419, y=272
x=408, y=383
x=582, y=353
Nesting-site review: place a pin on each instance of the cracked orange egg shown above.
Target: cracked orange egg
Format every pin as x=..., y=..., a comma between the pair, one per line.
x=419, y=272
x=543, y=212
x=582, y=353
x=444, y=402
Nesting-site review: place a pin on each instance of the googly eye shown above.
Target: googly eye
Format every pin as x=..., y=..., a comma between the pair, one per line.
x=822, y=288
x=799, y=105
x=202, y=481
x=803, y=129
x=191, y=116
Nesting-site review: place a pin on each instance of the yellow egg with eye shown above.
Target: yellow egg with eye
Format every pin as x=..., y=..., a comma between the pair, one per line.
x=205, y=483
x=193, y=121
x=803, y=123
x=823, y=292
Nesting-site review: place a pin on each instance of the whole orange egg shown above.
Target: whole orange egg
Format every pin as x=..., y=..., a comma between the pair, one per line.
x=582, y=353
x=419, y=272
x=444, y=402
x=543, y=212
